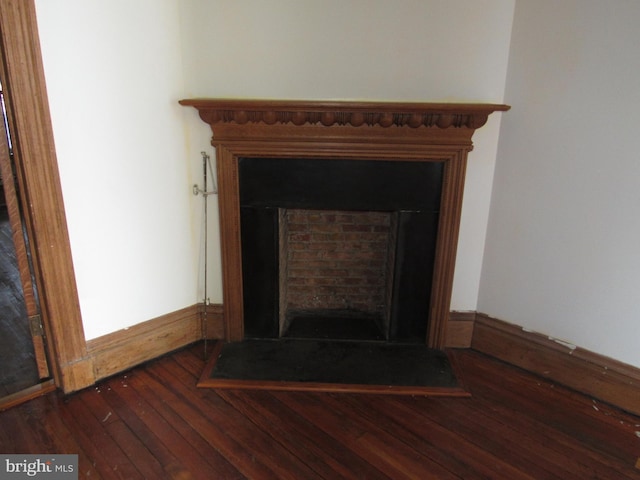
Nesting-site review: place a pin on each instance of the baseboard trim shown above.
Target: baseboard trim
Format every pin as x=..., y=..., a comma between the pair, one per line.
x=27, y=394
x=601, y=377
x=119, y=351
x=460, y=329
x=214, y=321
x=590, y=373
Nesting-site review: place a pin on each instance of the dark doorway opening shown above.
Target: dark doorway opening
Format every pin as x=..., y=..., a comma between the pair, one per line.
x=22, y=355
x=17, y=357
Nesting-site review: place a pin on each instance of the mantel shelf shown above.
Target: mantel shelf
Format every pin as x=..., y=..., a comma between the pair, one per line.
x=337, y=113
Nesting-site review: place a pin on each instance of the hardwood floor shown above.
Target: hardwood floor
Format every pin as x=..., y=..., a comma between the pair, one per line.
x=152, y=422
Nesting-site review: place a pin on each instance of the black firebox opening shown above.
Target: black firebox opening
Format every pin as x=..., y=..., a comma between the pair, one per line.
x=411, y=191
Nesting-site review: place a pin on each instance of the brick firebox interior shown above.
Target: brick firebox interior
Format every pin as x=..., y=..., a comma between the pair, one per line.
x=336, y=261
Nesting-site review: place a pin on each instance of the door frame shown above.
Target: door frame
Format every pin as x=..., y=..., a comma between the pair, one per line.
x=41, y=194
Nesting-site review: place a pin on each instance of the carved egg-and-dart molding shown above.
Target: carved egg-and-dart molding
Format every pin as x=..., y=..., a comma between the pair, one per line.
x=354, y=114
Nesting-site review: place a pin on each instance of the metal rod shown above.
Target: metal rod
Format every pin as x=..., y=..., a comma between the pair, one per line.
x=206, y=244
x=206, y=166
x=206, y=159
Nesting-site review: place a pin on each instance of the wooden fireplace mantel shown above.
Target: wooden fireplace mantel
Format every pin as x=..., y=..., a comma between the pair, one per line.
x=390, y=131
x=312, y=120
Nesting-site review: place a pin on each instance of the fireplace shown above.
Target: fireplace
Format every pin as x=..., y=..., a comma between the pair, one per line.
x=336, y=272
x=397, y=166
x=338, y=248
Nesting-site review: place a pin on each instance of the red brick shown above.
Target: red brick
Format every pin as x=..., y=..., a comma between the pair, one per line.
x=329, y=268
x=357, y=228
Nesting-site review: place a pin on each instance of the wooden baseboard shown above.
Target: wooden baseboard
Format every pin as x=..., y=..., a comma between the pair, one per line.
x=121, y=350
x=598, y=376
x=30, y=393
x=214, y=321
x=460, y=329
x=601, y=377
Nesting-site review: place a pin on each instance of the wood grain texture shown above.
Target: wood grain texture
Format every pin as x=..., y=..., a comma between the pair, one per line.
x=152, y=422
x=230, y=246
x=124, y=349
x=446, y=247
x=587, y=372
x=214, y=321
x=590, y=373
x=22, y=396
x=460, y=329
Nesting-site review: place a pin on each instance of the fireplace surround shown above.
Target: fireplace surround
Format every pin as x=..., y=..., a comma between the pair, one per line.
x=403, y=197
x=323, y=135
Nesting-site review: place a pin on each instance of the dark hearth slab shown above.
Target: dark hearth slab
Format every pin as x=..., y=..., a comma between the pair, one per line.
x=331, y=365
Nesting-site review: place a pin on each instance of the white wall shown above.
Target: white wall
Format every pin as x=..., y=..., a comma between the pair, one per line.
x=114, y=75
x=562, y=251
x=563, y=244
x=360, y=50
x=128, y=154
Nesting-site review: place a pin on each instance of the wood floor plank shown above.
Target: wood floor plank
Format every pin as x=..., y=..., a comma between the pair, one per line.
x=153, y=422
x=190, y=406
x=107, y=455
x=40, y=430
x=438, y=442
x=136, y=450
x=312, y=445
x=612, y=436
x=176, y=457
x=557, y=448
x=39, y=424
x=280, y=460
x=218, y=466
x=193, y=359
x=116, y=426
x=385, y=452
x=18, y=436
x=530, y=453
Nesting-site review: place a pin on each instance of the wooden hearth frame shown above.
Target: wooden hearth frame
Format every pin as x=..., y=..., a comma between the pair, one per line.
x=421, y=132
